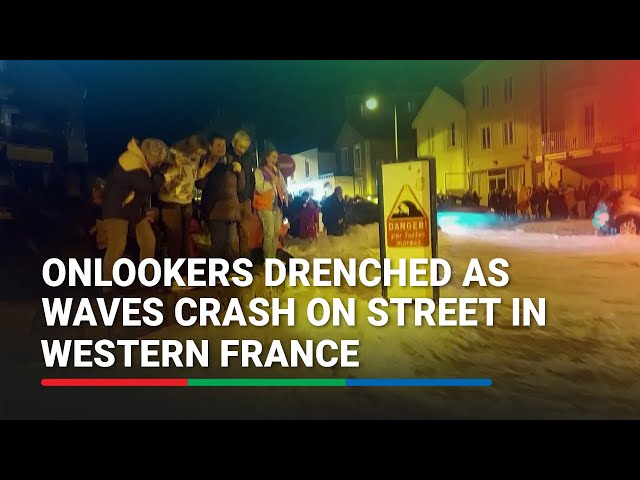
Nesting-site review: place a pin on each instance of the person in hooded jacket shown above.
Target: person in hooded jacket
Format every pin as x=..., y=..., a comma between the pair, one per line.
x=131, y=182
x=187, y=165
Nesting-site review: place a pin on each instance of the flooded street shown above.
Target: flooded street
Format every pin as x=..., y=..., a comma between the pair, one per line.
x=582, y=364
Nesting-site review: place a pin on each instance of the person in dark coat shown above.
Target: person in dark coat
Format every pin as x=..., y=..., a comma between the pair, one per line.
x=467, y=199
x=534, y=198
x=293, y=213
x=333, y=213
x=581, y=201
x=495, y=201
x=539, y=202
x=557, y=206
x=511, y=201
x=220, y=204
x=237, y=152
x=132, y=181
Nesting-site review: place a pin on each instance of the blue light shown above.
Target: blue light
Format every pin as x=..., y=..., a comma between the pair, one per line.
x=468, y=219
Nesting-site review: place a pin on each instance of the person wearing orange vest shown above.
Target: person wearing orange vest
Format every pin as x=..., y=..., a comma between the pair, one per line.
x=269, y=198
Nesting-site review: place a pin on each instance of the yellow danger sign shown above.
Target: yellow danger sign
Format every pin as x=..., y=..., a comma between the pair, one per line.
x=408, y=220
x=407, y=223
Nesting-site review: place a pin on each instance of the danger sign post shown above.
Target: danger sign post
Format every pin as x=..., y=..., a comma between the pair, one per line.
x=408, y=221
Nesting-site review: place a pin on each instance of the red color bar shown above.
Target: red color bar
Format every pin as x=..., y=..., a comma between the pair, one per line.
x=114, y=382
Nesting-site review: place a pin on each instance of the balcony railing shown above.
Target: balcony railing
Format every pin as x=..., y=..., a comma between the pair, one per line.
x=567, y=141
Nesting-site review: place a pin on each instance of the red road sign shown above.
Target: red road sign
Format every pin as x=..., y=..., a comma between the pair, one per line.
x=286, y=164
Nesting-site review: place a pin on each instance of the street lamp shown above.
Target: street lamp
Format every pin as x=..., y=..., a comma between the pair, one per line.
x=372, y=104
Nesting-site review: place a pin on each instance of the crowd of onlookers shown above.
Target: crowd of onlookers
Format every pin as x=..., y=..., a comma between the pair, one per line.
x=149, y=194
x=146, y=207
x=556, y=202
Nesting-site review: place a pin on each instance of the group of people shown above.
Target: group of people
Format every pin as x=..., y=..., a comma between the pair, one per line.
x=150, y=192
x=556, y=202
x=304, y=215
x=561, y=201
x=504, y=202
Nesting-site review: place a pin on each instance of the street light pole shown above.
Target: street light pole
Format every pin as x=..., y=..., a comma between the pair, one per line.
x=372, y=104
x=395, y=120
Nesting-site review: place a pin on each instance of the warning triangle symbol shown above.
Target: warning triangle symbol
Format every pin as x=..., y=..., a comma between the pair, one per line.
x=406, y=205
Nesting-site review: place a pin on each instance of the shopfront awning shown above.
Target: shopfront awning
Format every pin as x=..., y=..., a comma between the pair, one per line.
x=594, y=166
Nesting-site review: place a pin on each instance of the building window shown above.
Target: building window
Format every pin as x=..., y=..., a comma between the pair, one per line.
x=306, y=168
x=357, y=160
x=497, y=182
x=508, y=89
x=344, y=160
x=359, y=186
x=485, y=96
x=411, y=106
x=507, y=133
x=5, y=119
x=486, y=138
x=452, y=135
x=3, y=65
x=589, y=120
x=431, y=140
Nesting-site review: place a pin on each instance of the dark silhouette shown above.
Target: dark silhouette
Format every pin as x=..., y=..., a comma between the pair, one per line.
x=410, y=211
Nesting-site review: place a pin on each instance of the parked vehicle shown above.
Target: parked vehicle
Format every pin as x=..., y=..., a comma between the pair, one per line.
x=618, y=213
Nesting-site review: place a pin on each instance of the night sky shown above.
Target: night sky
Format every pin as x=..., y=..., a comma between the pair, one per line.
x=296, y=104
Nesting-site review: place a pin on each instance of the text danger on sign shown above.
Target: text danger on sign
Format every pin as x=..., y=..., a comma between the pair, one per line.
x=408, y=233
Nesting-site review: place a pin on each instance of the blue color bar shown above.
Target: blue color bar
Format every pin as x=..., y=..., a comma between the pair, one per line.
x=419, y=382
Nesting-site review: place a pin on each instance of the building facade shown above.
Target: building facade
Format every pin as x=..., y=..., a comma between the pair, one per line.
x=531, y=122
x=591, y=122
x=502, y=102
x=441, y=127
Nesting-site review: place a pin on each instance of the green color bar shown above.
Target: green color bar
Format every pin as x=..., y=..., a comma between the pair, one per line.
x=266, y=382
